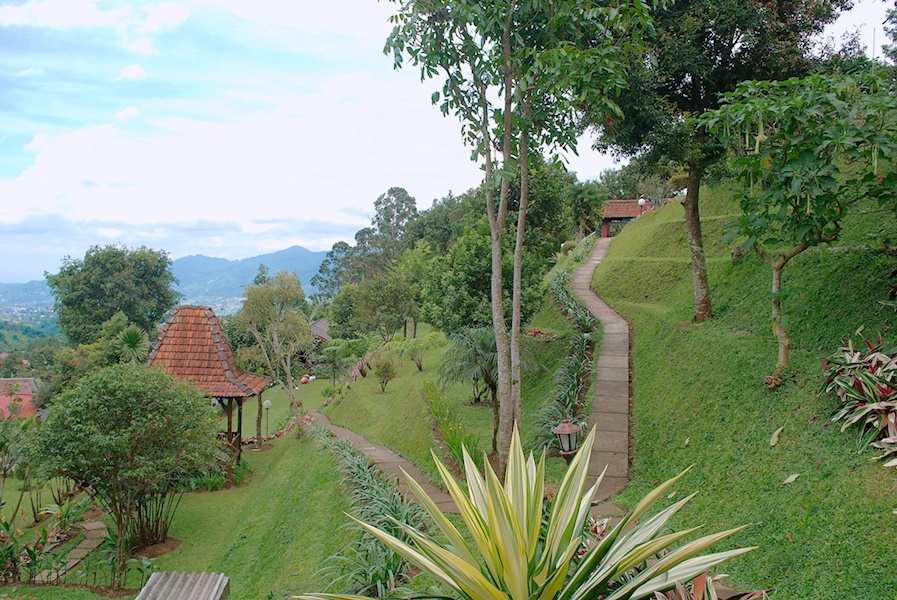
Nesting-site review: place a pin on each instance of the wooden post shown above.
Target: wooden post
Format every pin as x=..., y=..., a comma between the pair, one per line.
x=239, y=439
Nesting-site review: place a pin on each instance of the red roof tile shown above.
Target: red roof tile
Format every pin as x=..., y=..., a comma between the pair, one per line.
x=624, y=209
x=193, y=347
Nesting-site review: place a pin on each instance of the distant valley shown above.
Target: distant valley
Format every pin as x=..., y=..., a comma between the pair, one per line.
x=217, y=282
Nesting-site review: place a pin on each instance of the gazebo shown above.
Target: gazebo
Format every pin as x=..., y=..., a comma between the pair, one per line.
x=193, y=347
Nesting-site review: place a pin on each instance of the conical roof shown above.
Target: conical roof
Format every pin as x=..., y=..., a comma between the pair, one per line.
x=193, y=347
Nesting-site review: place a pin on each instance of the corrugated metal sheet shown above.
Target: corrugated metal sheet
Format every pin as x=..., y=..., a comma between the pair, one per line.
x=168, y=585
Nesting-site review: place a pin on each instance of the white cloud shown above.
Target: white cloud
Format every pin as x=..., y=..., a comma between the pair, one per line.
x=59, y=14
x=131, y=72
x=30, y=72
x=127, y=113
x=136, y=26
x=108, y=233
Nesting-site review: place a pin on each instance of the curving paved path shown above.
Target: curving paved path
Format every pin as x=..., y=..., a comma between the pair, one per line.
x=390, y=463
x=610, y=409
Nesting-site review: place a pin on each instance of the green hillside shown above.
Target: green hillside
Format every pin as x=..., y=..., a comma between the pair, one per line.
x=700, y=399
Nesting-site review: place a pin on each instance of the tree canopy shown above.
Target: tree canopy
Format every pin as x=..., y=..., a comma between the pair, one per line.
x=272, y=313
x=89, y=291
x=123, y=432
x=699, y=50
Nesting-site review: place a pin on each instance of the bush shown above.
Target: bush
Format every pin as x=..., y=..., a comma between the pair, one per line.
x=867, y=388
x=454, y=434
x=385, y=371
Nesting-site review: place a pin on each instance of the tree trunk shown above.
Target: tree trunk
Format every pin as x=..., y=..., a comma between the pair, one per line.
x=506, y=406
x=781, y=334
x=122, y=525
x=703, y=310
x=516, y=293
x=413, y=328
x=496, y=419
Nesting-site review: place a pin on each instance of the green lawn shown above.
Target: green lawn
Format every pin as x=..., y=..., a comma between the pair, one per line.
x=271, y=535
x=699, y=400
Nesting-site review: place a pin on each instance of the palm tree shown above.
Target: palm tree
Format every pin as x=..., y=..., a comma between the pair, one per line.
x=414, y=348
x=132, y=345
x=472, y=355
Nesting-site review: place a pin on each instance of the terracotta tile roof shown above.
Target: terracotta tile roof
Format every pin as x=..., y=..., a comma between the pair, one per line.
x=624, y=209
x=193, y=347
x=26, y=385
x=319, y=328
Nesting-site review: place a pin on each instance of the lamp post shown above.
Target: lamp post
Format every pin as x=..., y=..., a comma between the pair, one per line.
x=267, y=405
x=567, y=434
x=641, y=204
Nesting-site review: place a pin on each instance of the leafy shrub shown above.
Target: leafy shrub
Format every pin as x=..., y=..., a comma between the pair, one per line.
x=505, y=551
x=584, y=250
x=240, y=472
x=454, y=434
x=866, y=385
x=385, y=371
x=568, y=247
x=571, y=387
x=578, y=314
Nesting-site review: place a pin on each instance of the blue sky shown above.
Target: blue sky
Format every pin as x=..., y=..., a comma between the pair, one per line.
x=221, y=127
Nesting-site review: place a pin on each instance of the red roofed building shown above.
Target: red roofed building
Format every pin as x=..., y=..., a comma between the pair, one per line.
x=17, y=389
x=619, y=212
x=192, y=347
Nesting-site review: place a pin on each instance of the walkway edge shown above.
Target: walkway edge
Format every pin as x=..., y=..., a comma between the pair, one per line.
x=610, y=409
x=390, y=463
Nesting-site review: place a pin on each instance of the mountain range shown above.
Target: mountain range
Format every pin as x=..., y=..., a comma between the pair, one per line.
x=217, y=282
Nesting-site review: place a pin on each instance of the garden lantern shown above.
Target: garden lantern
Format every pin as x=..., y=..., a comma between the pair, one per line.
x=567, y=434
x=267, y=405
x=641, y=204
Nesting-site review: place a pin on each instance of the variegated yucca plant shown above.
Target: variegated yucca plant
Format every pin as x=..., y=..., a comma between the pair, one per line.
x=512, y=557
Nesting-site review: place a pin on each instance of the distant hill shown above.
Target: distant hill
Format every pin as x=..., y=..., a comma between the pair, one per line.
x=217, y=282
x=34, y=294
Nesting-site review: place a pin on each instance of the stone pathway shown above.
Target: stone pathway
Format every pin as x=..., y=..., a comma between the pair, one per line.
x=610, y=409
x=390, y=463
x=94, y=535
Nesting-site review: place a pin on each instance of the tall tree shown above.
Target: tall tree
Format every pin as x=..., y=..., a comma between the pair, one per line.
x=820, y=145
x=126, y=432
x=107, y=280
x=534, y=57
x=272, y=313
x=585, y=201
x=701, y=49
x=394, y=210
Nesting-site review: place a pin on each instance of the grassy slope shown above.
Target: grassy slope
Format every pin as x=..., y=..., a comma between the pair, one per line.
x=699, y=400
x=273, y=533
x=400, y=418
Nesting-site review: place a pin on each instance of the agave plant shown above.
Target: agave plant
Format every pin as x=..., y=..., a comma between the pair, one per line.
x=513, y=557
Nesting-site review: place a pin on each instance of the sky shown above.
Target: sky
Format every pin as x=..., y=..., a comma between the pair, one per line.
x=228, y=128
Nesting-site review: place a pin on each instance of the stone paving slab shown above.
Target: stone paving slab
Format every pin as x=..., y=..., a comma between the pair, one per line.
x=618, y=361
x=93, y=534
x=612, y=388
x=92, y=525
x=90, y=544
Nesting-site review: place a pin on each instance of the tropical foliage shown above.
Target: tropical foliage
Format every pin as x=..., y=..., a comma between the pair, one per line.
x=509, y=552
x=866, y=385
